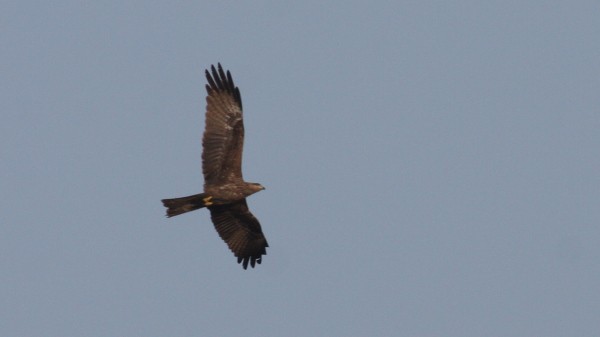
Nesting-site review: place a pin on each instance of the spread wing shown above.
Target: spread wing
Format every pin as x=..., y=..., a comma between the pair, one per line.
x=241, y=231
x=223, y=140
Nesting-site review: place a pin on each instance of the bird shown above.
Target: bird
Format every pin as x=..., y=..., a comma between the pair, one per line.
x=225, y=190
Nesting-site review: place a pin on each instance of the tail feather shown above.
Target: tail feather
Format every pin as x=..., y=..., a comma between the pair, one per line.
x=182, y=205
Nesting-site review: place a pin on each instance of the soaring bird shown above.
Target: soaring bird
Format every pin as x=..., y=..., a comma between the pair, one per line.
x=225, y=190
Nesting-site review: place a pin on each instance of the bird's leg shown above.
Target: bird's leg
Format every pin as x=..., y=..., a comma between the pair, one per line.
x=207, y=201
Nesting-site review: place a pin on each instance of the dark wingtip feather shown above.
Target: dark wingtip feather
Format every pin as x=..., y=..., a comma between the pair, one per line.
x=252, y=260
x=243, y=261
x=219, y=80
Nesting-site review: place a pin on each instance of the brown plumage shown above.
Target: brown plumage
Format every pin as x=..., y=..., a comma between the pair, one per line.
x=225, y=190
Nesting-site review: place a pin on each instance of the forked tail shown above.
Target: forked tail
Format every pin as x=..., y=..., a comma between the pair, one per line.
x=182, y=205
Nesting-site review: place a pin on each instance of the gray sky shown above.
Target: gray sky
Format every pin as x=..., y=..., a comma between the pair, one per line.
x=432, y=168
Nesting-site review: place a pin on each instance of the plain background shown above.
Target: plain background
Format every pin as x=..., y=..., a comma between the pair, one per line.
x=432, y=168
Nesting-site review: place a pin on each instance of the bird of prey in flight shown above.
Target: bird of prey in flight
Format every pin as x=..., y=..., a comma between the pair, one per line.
x=225, y=190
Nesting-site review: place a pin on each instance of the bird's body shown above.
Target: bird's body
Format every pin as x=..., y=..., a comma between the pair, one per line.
x=232, y=191
x=225, y=190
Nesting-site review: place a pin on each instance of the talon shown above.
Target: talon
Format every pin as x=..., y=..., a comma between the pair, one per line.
x=207, y=201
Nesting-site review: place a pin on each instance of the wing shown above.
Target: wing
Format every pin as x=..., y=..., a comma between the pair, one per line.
x=223, y=140
x=241, y=231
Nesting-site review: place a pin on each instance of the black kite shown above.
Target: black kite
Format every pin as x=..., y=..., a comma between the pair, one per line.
x=225, y=190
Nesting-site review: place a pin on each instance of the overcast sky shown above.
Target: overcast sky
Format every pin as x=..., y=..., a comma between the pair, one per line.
x=431, y=168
